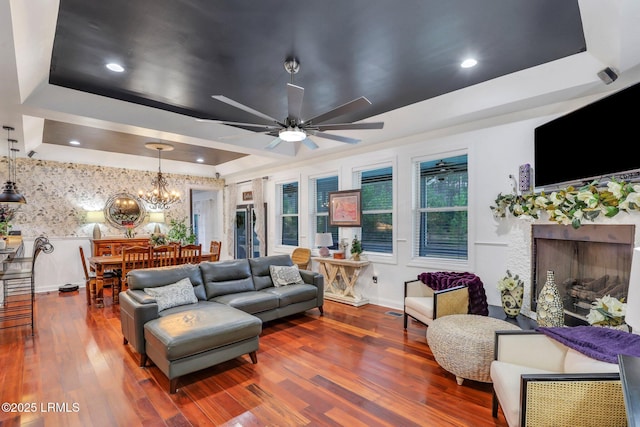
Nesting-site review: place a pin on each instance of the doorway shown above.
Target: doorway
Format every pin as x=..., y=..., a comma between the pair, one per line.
x=206, y=216
x=246, y=240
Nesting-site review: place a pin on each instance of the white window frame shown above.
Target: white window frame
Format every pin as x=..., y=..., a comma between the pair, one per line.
x=281, y=215
x=431, y=262
x=313, y=215
x=382, y=257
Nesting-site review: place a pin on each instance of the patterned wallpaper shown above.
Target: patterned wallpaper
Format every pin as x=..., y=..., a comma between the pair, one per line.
x=59, y=195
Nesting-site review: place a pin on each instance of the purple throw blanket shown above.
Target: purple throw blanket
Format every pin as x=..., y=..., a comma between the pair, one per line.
x=598, y=343
x=440, y=280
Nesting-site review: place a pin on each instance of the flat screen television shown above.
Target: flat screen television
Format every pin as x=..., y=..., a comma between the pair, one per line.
x=595, y=142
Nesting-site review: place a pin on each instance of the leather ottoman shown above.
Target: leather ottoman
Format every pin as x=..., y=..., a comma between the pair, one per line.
x=191, y=340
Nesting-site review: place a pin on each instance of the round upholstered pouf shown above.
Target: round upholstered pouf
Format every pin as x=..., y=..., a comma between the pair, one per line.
x=463, y=344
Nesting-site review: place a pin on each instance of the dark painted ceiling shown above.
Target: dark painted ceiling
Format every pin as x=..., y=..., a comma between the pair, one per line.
x=177, y=54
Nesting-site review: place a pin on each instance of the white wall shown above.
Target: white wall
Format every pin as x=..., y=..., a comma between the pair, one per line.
x=495, y=245
x=494, y=153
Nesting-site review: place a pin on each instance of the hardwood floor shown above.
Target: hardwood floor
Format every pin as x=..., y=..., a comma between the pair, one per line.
x=352, y=366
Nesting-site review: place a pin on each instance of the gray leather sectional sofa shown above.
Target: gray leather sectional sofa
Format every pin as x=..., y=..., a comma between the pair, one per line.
x=233, y=299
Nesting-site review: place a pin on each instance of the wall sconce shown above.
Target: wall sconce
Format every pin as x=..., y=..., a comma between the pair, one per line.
x=96, y=217
x=157, y=218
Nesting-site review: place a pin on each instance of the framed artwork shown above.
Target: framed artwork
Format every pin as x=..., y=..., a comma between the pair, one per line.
x=345, y=208
x=247, y=195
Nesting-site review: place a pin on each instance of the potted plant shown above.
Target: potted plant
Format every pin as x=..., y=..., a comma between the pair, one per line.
x=356, y=249
x=179, y=232
x=608, y=312
x=6, y=215
x=511, y=289
x=157, y=239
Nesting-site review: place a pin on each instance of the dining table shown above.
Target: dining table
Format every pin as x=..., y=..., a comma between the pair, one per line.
x=104, y=263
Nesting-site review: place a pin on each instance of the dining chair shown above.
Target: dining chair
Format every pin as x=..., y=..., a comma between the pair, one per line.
x=133, y=258
x=163, y=255
x=214, y=250
x=110, y=277
x=190, y=254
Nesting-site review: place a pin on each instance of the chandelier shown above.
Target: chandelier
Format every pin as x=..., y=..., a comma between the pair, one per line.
x=159, y=197
x=10, y=192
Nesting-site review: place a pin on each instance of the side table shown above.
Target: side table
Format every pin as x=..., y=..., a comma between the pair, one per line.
x=340, y=278
x=522, y=321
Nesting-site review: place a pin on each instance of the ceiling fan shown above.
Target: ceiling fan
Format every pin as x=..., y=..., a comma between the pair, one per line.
x=293, y=128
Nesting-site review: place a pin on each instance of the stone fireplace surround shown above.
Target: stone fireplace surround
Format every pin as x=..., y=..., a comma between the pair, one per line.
x=588, y=262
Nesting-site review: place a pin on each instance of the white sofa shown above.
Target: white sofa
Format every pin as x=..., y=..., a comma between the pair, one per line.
x=538, y=381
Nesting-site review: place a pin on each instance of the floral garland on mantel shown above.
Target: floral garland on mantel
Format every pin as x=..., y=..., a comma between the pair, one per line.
x=571, y=206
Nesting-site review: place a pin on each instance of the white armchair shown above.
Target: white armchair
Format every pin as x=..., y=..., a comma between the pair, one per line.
x=538, y=381
x=425, y=305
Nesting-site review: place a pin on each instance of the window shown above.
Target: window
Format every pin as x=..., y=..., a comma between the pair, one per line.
x=441, y=214
x=320, y=206
x=376, y=186
x=288, y=196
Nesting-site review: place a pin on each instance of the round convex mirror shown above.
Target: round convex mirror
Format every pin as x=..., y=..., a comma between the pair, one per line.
x=124, y=211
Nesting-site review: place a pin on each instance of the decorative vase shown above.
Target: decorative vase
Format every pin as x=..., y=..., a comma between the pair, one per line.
x=355, y=257
x=550, y=311
x=512, y=301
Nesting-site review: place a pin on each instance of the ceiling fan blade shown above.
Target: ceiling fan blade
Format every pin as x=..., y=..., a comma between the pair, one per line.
x=256, y=127
x=225, y=122
x=253, y=128
x=345, y=126
x=273, y=144
x=337, y=137
x=349, y=107
x=310, y=144
x=243, y=107
x=295, y=95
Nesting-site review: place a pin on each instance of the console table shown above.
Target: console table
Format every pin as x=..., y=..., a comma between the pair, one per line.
x=114, y=245
x=341, y=276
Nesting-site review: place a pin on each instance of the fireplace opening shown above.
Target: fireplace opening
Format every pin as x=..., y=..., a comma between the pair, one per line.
x=589, y=262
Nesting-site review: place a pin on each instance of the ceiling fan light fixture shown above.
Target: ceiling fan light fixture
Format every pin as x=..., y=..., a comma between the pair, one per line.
x=292, y=134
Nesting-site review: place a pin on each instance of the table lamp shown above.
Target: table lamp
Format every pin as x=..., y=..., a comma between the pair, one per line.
x=96, y=217
x=157, y=217
x=324, y=240
x=632, y=317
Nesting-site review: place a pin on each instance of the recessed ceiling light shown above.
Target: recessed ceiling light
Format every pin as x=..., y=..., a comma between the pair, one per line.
x=468, y=63
x=115, y=67
x=199, y=160
x=74, y=142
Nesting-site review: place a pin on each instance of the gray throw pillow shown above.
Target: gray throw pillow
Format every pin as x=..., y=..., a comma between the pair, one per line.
x=284, y=275
x=179, y=293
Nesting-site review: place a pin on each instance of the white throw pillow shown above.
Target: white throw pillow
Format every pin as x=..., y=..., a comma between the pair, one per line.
x=285, y=275
x=179, y=293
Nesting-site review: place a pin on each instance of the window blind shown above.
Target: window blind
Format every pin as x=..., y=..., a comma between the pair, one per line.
x=441, y=220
